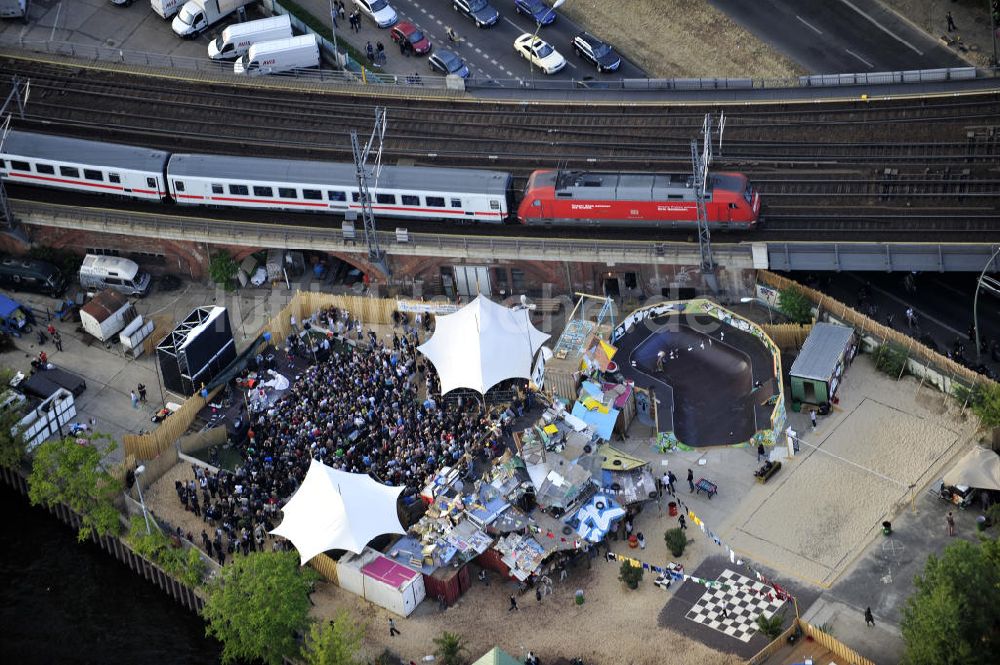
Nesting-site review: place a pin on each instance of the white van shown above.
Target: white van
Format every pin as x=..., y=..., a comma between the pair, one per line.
x=277, y=56
x=113, y=272
x=236, y=39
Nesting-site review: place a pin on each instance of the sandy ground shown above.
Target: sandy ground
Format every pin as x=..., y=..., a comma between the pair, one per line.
x=676, y=46
x=879, y=441
x=971, y=19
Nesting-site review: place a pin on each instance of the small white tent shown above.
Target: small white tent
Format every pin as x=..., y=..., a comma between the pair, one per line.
x=482, y=344
x=338, y=510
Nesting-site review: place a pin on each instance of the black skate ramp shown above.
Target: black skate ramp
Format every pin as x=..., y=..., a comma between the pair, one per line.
x=706, y=391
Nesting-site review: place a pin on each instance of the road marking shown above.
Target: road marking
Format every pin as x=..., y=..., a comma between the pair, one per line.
x=810, y=25
x=882, y=27
x=870, y=65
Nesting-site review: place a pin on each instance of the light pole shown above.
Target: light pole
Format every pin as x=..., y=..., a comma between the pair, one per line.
x=333, y=32
x=770, y=317
x=538, y=26
x=993, y=286
x=139, y=470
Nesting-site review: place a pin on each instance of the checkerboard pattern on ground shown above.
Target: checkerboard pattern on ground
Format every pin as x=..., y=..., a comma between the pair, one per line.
x=733, y=608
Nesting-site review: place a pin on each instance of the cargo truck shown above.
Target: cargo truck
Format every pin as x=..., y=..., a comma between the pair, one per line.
x=236, y=39
x=195, y=16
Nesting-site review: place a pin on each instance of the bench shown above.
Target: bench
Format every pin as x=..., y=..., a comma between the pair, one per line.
x=762, y=479
x=706, y=486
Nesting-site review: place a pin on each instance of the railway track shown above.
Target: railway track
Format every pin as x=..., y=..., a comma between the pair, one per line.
x=907, y=167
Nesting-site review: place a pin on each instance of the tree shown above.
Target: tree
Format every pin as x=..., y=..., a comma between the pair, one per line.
x=12, y=444
x=953, y=616
x=630, y=575
x=257, y=605
x=450, y=647
x=335, y=643
x=771, y=626
x=795, y=305
x=70, y=471
x=222, y=268
x=676, y=541
x=986, y=403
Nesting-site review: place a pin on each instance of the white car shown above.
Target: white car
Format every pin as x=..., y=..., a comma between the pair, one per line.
x=379, y=11
x=540, y=53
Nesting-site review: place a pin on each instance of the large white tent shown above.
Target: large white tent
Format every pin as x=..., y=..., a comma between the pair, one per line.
x=482, y=344
x=979, y=468
x=336, y=510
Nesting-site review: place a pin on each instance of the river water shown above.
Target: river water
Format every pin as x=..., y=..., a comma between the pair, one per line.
x=67, y=602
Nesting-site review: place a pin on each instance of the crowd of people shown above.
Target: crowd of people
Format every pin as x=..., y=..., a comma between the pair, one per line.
x=370, y=406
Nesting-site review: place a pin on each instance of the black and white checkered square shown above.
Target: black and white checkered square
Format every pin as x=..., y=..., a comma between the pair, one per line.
x=733, y=608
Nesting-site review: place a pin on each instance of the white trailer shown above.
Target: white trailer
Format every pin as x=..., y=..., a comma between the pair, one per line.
x=380, y=580
x=236, y=39
x=50, y=418
x=278, y=56
x=195, y=16
x=166, y=8
x=14, y=9
x=107, y=314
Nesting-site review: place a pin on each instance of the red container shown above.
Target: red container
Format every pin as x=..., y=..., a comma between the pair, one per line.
x=672, y=507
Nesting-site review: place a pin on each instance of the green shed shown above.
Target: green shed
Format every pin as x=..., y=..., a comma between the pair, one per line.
x=817, y=371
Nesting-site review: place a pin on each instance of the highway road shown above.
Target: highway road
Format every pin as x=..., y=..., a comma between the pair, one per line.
x=841, y=36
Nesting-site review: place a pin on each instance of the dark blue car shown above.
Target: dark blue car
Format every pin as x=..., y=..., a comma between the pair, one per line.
x=536, y=9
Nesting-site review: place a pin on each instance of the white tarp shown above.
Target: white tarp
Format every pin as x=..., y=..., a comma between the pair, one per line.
x=336, y=510
x=482, y=344
x=980, y=468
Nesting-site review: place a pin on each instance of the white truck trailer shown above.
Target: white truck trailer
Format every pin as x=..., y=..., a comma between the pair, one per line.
x=236, y=39
x=195, y=16
x=166, y=8
x=281, y=55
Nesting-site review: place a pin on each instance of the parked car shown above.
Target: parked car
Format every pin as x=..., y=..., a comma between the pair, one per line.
x=379, y=11
x=536, y=9
x=598, y=52
x=447, y=62
x=411, y=33
x=540, y=53
x=482, y=13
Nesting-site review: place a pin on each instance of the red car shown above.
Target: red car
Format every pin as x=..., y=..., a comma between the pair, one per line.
x=414, y=35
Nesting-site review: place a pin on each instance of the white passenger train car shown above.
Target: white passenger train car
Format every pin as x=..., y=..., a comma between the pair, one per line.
x=469, y=195
x=84, y=166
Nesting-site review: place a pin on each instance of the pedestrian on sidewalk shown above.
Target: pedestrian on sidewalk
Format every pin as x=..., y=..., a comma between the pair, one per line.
x=673, y=479
x=950, y=519
x=812, y=418
x=135, y=402
x=682, y=521
x=57, y=340
x=393, y=631
x=513, y=604
x=761, y=452
x=951, y=22
x=538, y=594
x=142, y=393
x=483, y=577
x=370, y=52
x=869, y=619
x=691, y=480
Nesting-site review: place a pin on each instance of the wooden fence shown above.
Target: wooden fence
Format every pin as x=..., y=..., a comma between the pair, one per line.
x=148, y=446
x=827, y=641
x=776, y=645
x=787, y=335
x=325, y=566
x=192, y=443
x=866, y=326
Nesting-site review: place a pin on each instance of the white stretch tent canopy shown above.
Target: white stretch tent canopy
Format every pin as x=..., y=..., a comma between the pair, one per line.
x=980, y=468
x=336, y=510
x=482, y=344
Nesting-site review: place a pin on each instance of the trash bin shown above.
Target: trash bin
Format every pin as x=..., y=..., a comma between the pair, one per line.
x=579, y=596
x=981, y=523
x=672, y=508
x=886, y=528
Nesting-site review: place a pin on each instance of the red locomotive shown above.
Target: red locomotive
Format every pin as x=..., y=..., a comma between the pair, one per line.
x=660, y=200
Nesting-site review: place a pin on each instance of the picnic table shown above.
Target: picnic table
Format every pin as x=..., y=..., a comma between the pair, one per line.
x=706, y=486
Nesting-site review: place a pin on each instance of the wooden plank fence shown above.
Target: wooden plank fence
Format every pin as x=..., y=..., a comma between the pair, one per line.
x=787, y=335
x=827, y=641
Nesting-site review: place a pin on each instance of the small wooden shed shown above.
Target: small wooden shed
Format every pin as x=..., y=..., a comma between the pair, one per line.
x=818, y=369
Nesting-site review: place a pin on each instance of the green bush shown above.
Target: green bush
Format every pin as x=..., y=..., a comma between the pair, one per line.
x=222, y=269
x=771, y=626
x=890, y=360
x=676, y=541
x=187, y=565
x=630, y=575
x=795, y=305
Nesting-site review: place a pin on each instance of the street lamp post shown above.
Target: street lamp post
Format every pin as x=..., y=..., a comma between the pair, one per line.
x=333, y=32
x=991, y=285
x=770, y=317
x=538, y=26
x=139, y=470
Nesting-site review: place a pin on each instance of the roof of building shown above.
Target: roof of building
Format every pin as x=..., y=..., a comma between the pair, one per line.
x=821, y=351
x=497, y=656
x=104, y=304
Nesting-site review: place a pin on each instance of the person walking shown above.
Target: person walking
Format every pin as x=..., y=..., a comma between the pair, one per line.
x=869, y=619
x=761, y=453
x=951, y=22
x=691, y=480
x=483, y=577
x=673, y=479
x=642, y=541
x=659, y=360
x=513, y=604
x=682, y=521
x=562, y=573
x=812, y=418
x=538, y=594
x=57, y=340
x=135, y=399
x=393, y=631
x=950, y=519
x=142, y=392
